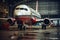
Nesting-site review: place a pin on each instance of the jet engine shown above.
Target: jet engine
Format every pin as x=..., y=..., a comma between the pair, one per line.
x=11, y=21
x=46, y=21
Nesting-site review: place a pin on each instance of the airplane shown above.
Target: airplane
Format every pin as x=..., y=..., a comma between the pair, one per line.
x=27, y=15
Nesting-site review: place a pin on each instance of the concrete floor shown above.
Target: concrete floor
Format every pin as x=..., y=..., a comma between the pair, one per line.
x=31, y=34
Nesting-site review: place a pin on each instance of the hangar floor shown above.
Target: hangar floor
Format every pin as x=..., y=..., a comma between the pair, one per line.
x=31, y=34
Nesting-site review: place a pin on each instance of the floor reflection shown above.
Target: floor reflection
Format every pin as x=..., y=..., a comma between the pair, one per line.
x=48, y=34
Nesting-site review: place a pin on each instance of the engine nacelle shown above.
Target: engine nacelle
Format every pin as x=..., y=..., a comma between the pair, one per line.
x=46, y=21
x=11, y=21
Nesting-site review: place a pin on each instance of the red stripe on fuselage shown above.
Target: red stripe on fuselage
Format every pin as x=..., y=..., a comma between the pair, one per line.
x=26, y=19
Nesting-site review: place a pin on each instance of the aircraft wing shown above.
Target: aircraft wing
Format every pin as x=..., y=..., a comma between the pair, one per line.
x=54, y=20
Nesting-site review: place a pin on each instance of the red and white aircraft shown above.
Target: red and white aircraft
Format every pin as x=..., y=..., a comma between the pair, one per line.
x=26, y=14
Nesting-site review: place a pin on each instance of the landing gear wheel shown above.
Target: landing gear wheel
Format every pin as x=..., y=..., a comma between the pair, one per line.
x=43, y=26
x=20, y=24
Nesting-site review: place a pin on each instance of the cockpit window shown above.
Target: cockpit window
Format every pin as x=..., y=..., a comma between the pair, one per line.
x=17, y=8
x=21, y=9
